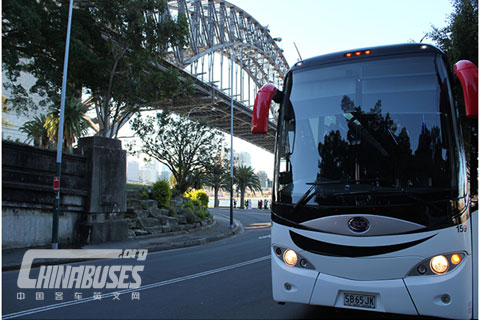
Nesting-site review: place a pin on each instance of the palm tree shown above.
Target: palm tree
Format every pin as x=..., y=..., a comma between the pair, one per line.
x=245, y=178
x=217, y=177
x=75, y=125
x=36, y=131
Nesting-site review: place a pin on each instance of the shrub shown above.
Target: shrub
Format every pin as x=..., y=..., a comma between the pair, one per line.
x=189, y=204
x=189, y=215
x=199, y=195
x=201, y=213
x=144, y=195
x=162, y=193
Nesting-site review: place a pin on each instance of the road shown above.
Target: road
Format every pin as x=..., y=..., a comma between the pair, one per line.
x=227, y=279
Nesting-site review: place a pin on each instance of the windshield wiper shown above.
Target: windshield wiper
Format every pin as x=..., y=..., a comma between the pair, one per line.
x=308, y=195
x=305, y=198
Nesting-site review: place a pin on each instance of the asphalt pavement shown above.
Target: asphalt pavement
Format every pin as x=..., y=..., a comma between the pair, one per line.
x=225, y=279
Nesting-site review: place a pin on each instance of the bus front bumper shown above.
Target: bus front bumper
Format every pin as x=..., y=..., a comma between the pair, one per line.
x=422, y=295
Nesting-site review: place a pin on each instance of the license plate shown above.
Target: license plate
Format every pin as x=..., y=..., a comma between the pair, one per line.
x=359, y=300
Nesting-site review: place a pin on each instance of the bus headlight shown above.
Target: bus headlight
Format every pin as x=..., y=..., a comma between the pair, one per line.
x=439, y=264
x=290, y=257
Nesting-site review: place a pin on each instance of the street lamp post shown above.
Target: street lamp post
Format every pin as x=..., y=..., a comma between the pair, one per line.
x=58, y=170
x=231, y=142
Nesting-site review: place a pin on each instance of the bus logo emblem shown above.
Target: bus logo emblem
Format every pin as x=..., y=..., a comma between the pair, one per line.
x=358, y=224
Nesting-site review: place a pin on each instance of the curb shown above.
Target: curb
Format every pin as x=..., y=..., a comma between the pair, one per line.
x=196, y=242
x=175, y=233
x=151, y=248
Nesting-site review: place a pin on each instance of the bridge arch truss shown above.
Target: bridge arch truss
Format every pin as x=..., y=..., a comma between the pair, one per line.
x=219, y=28
x=219, y=32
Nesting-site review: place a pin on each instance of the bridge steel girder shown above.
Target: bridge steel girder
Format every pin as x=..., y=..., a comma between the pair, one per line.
x=206, y=97
x=219, y=28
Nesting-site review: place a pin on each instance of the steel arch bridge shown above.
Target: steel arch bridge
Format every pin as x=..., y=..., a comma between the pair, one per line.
x=220, y=32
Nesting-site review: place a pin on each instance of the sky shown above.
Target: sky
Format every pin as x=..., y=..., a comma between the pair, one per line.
x=324, y=26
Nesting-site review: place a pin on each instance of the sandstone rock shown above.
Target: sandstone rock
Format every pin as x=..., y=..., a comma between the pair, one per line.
x=172, y=221
x=182, y=219
x=155, y=230
x=141, y=232
x=150, y=222
x=157, y=212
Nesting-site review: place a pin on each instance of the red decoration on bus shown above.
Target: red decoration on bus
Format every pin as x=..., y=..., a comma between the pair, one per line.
x=467, y=73
x=261, y=108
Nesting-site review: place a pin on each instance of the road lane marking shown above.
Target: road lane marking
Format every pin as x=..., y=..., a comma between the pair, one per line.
x=145, y=287
x=264, y=237
x=261, y=225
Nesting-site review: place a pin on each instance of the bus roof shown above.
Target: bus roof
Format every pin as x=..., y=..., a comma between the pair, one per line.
x=365, y=53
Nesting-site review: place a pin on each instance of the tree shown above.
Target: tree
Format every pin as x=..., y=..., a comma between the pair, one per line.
x=459, y=40
x=217, y=177
x=116, y=53
x=36, y=131
x=184, y=146
x=245, y=178
x=74, y=124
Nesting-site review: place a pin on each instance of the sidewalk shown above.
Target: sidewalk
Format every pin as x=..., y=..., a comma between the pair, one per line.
x=220, y=229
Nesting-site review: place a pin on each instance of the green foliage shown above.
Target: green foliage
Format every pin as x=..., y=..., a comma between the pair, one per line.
x=186, y=147
x=217, y=177
x=198, y=195
x=202, y=196
x=43, y=130
x=133, y=186
x=196, y=208
x=190, y=204
x=115, y=48
x=162, y=193
x=245, y=178
x=189, y=214
x=201, y=213
x=144, y=195
x=36, y=131
x=459, y=39
x=74, y=125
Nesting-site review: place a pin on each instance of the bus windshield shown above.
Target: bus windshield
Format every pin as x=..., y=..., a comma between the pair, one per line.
x=368, y=132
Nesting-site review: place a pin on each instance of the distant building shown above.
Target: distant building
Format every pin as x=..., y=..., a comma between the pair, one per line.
x=164, y=175
x=242, y=159
x=262, y=177
x=148, y=173
x=264, y=181
x=133, y=171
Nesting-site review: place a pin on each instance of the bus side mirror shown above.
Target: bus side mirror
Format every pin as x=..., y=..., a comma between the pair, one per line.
x=261, y=107
x=467, y=73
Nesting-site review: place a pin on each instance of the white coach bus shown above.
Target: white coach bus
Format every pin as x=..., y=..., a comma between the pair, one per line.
x=371, y=207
